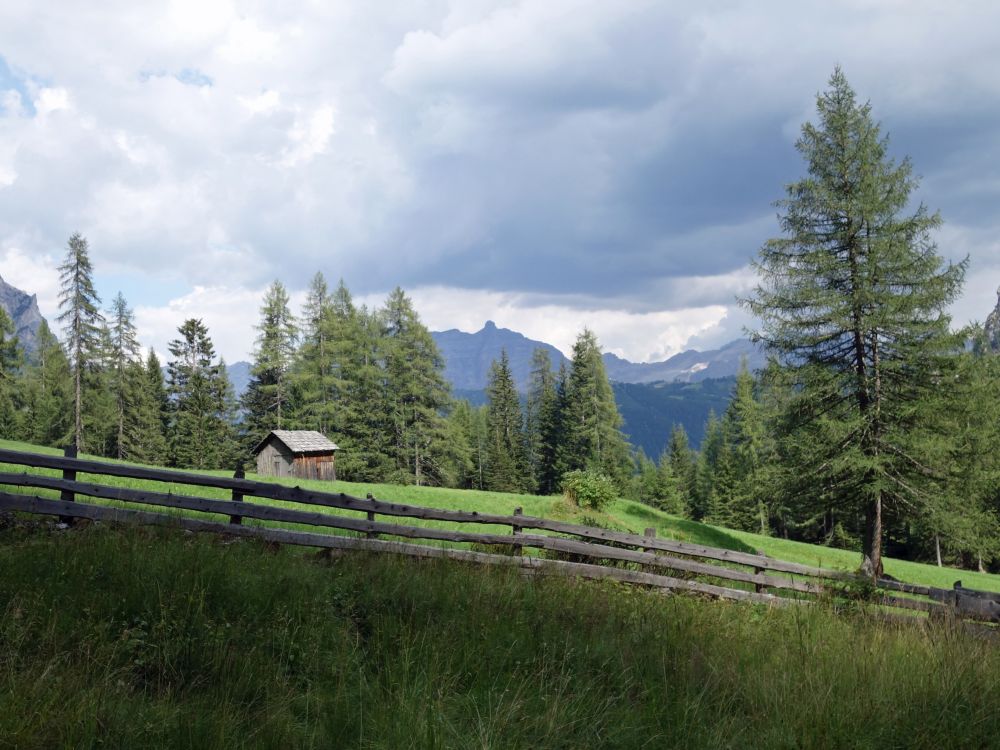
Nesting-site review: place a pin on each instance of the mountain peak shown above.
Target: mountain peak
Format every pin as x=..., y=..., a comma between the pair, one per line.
x=992, y=326
x=23, y=310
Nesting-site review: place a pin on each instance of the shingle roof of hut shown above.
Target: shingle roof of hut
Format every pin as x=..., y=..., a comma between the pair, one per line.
x=300, y=441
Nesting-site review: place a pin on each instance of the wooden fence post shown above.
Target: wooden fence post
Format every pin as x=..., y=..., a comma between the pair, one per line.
x=649, y=533
x=515, y=530
x=70, y=475
x=760, y=588
x=237, y=495
x=371, y=518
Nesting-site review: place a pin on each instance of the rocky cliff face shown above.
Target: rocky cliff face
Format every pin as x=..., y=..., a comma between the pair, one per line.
x=992, y=326
x=23, y=310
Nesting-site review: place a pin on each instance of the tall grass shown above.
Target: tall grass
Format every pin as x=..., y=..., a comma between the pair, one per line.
x=155, y=638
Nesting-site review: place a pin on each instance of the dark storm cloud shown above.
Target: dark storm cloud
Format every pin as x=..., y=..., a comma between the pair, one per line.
x=606, y=155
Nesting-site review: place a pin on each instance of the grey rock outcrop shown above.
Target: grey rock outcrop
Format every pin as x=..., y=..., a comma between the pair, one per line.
x=992, y=327
x=23, y=310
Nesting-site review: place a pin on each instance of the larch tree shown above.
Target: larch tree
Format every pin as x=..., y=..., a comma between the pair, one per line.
x=416, y=392
x=81, y=319
x=852, y=302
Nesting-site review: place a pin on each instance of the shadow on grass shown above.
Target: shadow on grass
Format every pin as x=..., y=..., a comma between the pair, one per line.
x=687, y=531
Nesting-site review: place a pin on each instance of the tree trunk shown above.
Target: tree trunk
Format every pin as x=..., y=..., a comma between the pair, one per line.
x=871, y=563
x=979, y=562
x=78, y=410
x=937, y=549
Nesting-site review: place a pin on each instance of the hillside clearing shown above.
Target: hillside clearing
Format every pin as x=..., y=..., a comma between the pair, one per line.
x=623, y=514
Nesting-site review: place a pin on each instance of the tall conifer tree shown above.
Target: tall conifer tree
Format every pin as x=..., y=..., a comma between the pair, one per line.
x=81, y=319
x=505, y=462
x=10, y=362
x=200, y=433
x=539, y=408
x=853, y=302
x=47, y=412
x=125, y=379
x=416, y=392
x=593, y=437
x=267, y=401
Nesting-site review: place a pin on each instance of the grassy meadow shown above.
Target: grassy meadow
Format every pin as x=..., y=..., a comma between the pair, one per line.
x=623, y=515
x=149, y=637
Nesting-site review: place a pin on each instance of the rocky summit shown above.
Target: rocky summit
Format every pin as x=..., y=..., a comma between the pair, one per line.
x=992, y=327
x=23, y=310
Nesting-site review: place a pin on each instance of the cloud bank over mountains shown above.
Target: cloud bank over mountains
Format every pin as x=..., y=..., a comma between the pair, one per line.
x=544, y=164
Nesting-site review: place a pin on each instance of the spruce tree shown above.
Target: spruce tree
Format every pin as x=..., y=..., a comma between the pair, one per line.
x=964, y=521
x=10, y=363
x=316, y=371
x=593, y=438
x=124, y=377
x=706, y=501
x=99, y=411
x=200, y=434
x=747, y=451
x=81, y=320
x=47, y=393
x=505, y=462
x=148, y=442
x=539, y=411
x=852, y=302
x=367, y=415
x=267, y=401
x=551, y=434
x=682, y=462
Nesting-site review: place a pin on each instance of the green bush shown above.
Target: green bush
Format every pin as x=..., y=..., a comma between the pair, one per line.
x=589, y=489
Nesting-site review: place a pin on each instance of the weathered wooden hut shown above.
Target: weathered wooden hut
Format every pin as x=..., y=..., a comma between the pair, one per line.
x=305, y=454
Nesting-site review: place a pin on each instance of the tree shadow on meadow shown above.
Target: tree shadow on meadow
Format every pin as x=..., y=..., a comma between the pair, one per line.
x=684, y=530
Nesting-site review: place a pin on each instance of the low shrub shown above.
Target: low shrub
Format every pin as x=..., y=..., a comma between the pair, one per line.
x=589, y=489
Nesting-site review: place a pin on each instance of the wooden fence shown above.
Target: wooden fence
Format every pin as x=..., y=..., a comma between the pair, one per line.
x=564, y=548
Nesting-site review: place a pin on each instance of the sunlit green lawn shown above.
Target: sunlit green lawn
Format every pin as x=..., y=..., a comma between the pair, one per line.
x=623, y=514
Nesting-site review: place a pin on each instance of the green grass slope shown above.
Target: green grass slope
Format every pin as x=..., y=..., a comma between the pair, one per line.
x=623, y=514
x=153, y=638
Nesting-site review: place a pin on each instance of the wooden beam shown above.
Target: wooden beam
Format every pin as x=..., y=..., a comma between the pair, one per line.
x=371, y=528
x=33, y=504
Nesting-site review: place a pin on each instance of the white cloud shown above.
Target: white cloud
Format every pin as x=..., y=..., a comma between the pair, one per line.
x=33, y=273
x=639, y=337
x=309, y=137
x=229, y=313
x=606, y=164
x=51, y=100
x=263, y=103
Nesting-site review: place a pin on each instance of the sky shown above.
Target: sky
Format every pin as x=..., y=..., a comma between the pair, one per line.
x=544, y=164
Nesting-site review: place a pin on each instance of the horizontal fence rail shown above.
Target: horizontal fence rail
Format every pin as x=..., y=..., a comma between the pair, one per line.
x=592, y=553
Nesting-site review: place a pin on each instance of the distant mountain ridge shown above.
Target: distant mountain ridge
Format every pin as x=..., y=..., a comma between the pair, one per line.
x=23, y=310
x=690, y=366
x=468, y=357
